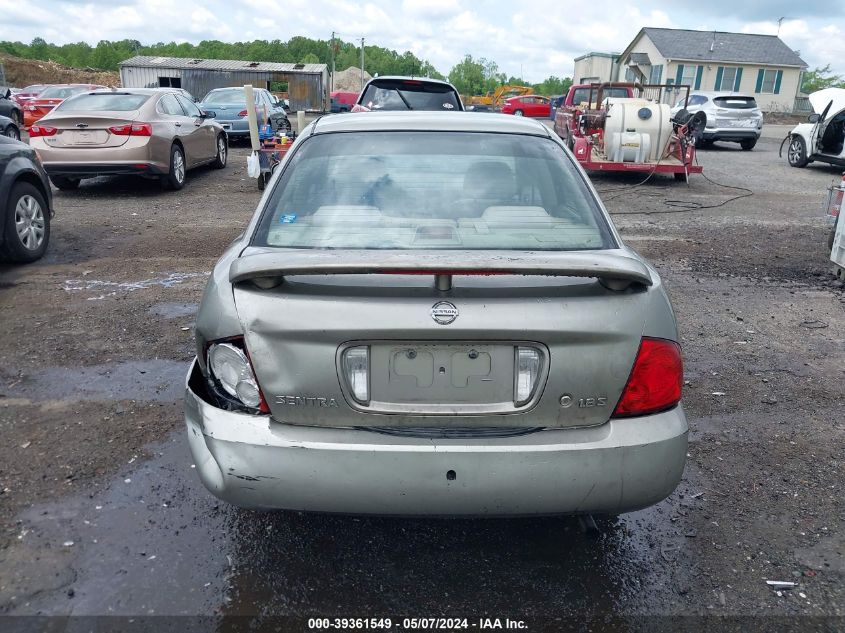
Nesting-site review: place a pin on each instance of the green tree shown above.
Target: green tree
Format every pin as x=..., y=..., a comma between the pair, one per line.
x=820, y=78
x=475, y=76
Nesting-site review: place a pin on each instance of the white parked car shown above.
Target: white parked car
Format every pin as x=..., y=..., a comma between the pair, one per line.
x=822, y=138
x=731, y=116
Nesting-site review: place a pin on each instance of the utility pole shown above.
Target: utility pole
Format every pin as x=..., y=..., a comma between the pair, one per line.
x=362, y=63
x=331, y=80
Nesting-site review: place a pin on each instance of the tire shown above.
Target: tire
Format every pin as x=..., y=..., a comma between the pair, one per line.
x=704, y=144
x=222, y=152
x=27, y=223
x=796, y=153
x=748, y=144
x=518, y=113
x=17, y=118
x=13, y=132
x=175, y=179
x=680, y=176
x=286, y=125
x=65, y=184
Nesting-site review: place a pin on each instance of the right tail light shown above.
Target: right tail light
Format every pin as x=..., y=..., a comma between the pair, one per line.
x=656, y=380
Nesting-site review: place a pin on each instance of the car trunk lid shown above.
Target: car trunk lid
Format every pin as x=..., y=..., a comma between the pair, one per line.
x=89, y=130
x=442, y=358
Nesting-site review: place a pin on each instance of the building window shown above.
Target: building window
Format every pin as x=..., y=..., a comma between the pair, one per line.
x=630, y=75
x=728, y=79
x=769, y=77
x=170, y=82
x=656, y=74
x=688, y=76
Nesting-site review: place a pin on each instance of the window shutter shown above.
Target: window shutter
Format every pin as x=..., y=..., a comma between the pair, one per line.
x=698, y=73
x=778, y=79
x=760, y=74
x=738, y=79
x=679, y=76
x=719, y=73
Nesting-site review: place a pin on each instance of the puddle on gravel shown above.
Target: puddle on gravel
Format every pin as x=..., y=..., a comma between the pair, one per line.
x=154, y=541
x=103, y=289
x=148, y=380
x=172, y=310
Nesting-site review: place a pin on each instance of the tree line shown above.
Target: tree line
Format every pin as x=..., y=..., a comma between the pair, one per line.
x=470, y=76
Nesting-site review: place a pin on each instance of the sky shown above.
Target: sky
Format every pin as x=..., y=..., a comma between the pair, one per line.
x=533, y=39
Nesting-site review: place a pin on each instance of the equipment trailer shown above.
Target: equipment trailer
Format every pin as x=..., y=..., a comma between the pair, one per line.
x=637, y=133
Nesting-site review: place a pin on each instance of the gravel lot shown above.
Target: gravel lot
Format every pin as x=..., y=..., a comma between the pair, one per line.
x=101, y=512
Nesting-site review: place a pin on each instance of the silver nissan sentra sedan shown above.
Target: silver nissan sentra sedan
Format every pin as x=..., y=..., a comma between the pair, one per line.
x=432, y=314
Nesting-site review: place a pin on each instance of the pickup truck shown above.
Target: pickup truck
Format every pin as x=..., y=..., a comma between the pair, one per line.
x=576, y=102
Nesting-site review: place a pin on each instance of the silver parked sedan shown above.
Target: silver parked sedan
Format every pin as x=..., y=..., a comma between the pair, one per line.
x=432, y=313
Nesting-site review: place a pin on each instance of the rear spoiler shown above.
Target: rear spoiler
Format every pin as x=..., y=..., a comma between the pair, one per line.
x=268, y=269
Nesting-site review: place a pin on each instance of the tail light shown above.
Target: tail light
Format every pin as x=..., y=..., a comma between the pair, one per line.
x=655, y=381
x=528, y=368
x=356, y=366
x=41, y=130
x=132, y=129
x=230, y=367
x=242, y=113
x=834, y=200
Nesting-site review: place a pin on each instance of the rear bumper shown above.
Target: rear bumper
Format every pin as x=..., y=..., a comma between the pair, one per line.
x=255, y=461
x=731, y=134
x=91, y=170
x=235, y=127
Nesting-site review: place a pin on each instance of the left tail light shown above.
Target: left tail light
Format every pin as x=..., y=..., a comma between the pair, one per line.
x=655, y=381
x=230, y=367
x=41, y=130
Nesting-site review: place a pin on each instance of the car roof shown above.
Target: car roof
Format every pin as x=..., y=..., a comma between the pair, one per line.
x=427, y=121
x=716, y=93
x=411, y=78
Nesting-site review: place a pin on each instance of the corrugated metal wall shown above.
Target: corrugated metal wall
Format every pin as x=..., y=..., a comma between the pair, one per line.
x=307, y=90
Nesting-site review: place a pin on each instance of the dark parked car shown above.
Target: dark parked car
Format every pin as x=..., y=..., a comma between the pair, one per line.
x=9, y=128
x=25, y=203
x=9, y=107
x=408, y=93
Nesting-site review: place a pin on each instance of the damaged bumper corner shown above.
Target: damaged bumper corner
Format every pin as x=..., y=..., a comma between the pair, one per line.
x=255, y=461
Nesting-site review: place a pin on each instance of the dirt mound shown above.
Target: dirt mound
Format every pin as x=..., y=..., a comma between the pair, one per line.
x=349, y=80
x=22, y=72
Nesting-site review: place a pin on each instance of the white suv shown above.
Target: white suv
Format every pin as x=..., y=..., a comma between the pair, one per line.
x=731, y=116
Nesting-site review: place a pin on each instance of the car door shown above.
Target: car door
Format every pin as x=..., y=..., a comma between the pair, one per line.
x=178, y=124
x=203, y=133
x=543, y=107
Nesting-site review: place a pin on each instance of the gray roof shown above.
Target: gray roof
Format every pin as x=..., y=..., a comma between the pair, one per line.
x=187, y=63
x=640, y=59
x=428, y=121
x=745, y=48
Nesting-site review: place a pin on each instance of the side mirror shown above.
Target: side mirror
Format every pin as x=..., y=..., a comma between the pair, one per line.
x=7, y=94
x=814, y=118
x=209, y=114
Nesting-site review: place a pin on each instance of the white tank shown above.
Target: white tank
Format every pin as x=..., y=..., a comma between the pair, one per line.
x=629, y=147
x=628, y=117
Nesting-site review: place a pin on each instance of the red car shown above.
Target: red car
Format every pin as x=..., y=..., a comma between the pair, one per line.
x=527, y=105
x=30, y=92
x=49, y=98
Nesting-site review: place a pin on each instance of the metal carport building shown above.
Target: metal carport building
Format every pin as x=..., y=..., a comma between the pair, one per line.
x=307, y=83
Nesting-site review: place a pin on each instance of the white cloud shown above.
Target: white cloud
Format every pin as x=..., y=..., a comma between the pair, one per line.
x=542, y=36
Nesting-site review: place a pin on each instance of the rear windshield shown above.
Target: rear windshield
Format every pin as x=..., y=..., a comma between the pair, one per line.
x=229, y=95
x=409, y=95
x=432, y=190
x=62, y=92
x=582, y=95
x=736, y=103
x=104, y=102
